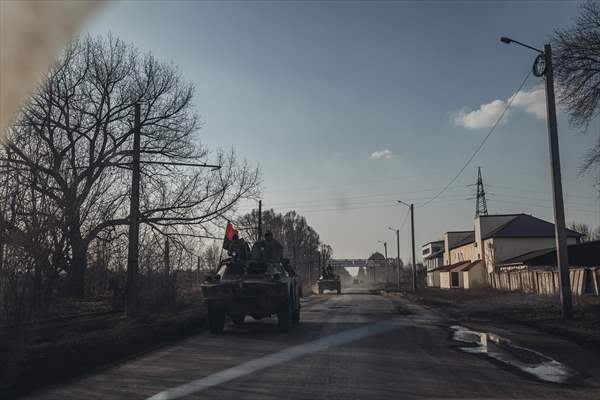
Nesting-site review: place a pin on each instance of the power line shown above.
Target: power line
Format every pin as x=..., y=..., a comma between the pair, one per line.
x=508, y=104
x=514, y=188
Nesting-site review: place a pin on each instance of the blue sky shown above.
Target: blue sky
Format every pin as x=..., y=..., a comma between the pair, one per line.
x=349, y=106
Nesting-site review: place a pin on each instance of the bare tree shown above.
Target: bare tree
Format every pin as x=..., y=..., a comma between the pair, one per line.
x=300, y=241
x=211, y=256
x=577, y=64
x=75, y=136
x=326, y=254
x=577, y=68
x=587, y=233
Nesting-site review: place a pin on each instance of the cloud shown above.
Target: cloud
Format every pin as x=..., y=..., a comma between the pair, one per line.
x=532, y=102
x=484, y=117
x=382, y=155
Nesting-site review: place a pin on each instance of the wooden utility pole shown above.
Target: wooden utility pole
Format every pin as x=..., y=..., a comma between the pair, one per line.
x=198, y=271
x=562, y=256
x=260, y=220
x=167, y=258
x=131, y=302
x=398, y=249
x=386, y=277
x=414, y=260
x=542, y=66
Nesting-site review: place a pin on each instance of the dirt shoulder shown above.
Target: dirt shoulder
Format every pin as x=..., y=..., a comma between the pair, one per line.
x=540, y=312
x=44, y=355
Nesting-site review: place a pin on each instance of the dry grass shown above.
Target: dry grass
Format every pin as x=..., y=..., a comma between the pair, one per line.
x=541, y=312
x=36, y=357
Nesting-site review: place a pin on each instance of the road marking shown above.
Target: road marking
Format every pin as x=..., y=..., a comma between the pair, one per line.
x=273, y=359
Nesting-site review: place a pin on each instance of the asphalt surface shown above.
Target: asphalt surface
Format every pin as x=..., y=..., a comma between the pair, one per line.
x=350, y=346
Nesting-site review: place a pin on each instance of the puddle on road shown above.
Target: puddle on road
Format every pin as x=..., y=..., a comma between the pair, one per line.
x=507, y=352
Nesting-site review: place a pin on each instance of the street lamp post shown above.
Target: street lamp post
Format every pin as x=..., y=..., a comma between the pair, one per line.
x=543, y=67
x=385, y=261
x=412, y=230
x=398, y=248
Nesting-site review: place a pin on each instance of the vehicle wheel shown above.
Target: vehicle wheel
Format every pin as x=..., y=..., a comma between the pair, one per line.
x=320, y=291
x=238, y=319
x=216, y=321
x=339, y=291
x=296, y=316
x=285, y=318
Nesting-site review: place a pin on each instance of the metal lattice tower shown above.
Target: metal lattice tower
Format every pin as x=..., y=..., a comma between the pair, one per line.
x=481, y=206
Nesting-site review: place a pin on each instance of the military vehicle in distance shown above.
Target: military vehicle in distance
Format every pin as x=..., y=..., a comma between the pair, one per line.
x=256, y=287
x=329, y=281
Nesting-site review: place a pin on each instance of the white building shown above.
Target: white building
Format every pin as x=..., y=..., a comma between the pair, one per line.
x=471, y=257
x=433, y=257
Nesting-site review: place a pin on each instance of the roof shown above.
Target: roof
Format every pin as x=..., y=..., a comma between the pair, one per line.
x=499, y=215
x=434, y=254
x=586, y=254
x=472, y=265
x=524, y=225
x=433, y=242
x=470, y=238
x=449, y=267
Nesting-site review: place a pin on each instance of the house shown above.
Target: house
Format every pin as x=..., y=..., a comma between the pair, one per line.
x=433, y=257
x=464, y=267
x=450, y=276
x=470, y=257
x=536, y=271
x=501, y=237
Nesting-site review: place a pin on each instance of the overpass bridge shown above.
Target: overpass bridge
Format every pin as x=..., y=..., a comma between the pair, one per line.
x=376, y=270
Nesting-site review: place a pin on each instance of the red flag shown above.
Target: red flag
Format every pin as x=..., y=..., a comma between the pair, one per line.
x=229, y=231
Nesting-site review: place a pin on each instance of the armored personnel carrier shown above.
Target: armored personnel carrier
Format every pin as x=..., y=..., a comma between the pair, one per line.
x=329, y=281
x=256, y=287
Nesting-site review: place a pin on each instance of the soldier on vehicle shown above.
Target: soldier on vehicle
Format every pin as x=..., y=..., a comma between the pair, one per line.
x=273, y=249
x=239, y=248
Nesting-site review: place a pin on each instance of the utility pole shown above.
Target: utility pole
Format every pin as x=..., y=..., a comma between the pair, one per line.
x=167, y=258
x=412, y=231
x=386, y=262
x=543, y=67
x=559, y=209
x=260, y=220
x=131, y=301
x=198, y=270
x=414, y=260
x=398, y=260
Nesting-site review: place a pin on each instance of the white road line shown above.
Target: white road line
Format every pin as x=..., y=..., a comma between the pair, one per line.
x=275, y=359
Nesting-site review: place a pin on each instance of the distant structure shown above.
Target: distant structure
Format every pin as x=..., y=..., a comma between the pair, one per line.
x=481, y=206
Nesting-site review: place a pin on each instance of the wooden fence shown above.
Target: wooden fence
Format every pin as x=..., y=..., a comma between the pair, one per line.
x=546, y=282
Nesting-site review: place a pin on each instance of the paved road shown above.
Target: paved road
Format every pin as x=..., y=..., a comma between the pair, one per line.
x=353, y=346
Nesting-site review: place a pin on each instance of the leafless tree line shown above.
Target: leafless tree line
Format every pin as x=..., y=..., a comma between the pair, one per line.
x=65, y=178
x=301, y=242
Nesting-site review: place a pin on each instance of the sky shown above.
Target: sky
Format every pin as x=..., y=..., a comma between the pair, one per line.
x=350, y=106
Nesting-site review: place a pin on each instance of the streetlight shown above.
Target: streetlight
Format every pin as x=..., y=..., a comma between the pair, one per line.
x=398, y=247
x=385, y=262
x=542, y=66
x=412, y=230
